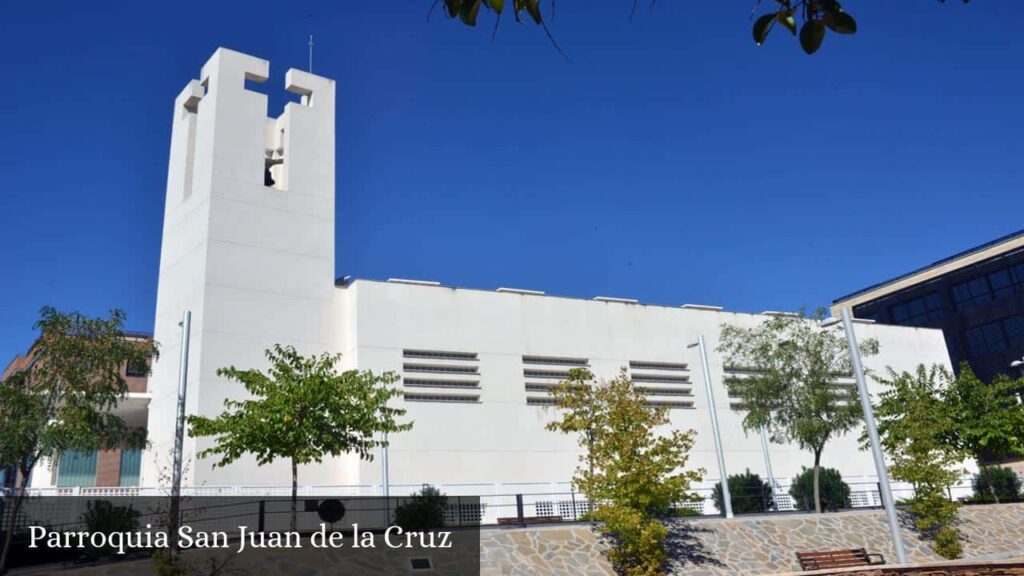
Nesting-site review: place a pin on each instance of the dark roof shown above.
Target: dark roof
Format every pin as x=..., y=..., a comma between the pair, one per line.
x=968, y=252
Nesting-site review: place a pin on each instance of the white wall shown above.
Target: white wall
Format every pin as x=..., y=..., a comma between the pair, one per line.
x=503, y=440
x=254, y=264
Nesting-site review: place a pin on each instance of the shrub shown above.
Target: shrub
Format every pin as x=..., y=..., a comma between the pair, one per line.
x=1006, y=483
x=835, y=494
x=104, y=518
x=947, y=543
x=934, y=517
x=639, y=539
x=747, y=492
x=422, y=511
x=684, y=512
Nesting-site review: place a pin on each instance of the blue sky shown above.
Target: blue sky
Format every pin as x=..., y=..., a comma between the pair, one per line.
x=671, y=161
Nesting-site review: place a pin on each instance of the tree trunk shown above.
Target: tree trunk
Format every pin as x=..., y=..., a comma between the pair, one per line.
x=988, y=480
x=817, y=483
x=590, y=455
x=12, y=516
x=295, y=489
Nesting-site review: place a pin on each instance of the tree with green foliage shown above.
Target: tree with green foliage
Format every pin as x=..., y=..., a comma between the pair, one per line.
x=631, y=474
x=424, y=510
x=792, y=385
x=748, y=493
x=818, y=17
x=914, y=421
x=833, y=493
x=64, y=399
x=103, y=517
x=302, y=410
x=987, y=420
x=1005, y=482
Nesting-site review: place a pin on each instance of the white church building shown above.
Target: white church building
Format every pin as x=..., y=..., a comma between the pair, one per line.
x=248, y=248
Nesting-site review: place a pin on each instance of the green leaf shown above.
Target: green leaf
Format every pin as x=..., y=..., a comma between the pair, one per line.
x=785, y=17
x=811, y=35
x=762, y=26
x=533, y=8
x=840, y=22
x=453, y=7
x=469, y=12
x=496, y=5
x=831, y=6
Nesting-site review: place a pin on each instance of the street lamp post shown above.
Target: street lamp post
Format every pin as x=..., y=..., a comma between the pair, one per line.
x=768, y=467
x=876, y=447
x=179, y=428
x=385, y=472
x=1019, y=365
x=726, y=497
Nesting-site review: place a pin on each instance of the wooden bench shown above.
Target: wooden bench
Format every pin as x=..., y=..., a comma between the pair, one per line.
x=837, y=559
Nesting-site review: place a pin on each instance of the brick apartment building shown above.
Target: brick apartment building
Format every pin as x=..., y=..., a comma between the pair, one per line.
x=104, y=468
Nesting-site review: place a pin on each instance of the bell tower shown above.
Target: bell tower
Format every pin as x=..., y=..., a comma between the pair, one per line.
x=248, y=248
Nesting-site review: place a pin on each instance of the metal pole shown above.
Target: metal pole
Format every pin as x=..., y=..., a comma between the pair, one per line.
x=876, y=447
x=179, y=422
x=385, y=473
x=310, y=53
x=179, y=431
x=768, y=467
x=386, y=480
x=726, y=497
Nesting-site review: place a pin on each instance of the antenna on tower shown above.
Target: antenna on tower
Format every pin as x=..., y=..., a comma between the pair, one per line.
x=310, y=53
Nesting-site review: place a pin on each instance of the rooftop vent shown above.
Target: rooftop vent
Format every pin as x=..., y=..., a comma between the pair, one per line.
x=619, y=300
x=777, y=313
x=702, y=307
x=414, y=282
x=521, y=291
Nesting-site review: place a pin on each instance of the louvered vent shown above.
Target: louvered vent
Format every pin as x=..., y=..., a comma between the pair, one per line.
x=440, y=355
x=451, y=398
x=544, y=373
x=665, y=384
x=440, y=376
x=555, y=361
x=843, y=384
x=733, y=373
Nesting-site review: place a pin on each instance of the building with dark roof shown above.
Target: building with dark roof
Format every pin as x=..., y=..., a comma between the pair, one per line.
x=975, y=297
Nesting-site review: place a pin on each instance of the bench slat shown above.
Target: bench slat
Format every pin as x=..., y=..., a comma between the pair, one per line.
x=832, y=552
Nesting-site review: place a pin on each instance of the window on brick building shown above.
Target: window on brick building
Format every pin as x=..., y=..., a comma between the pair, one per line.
x=131, y=462
x=76, y=469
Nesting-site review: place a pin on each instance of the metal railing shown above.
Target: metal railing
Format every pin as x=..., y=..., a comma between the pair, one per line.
x=511, y=503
